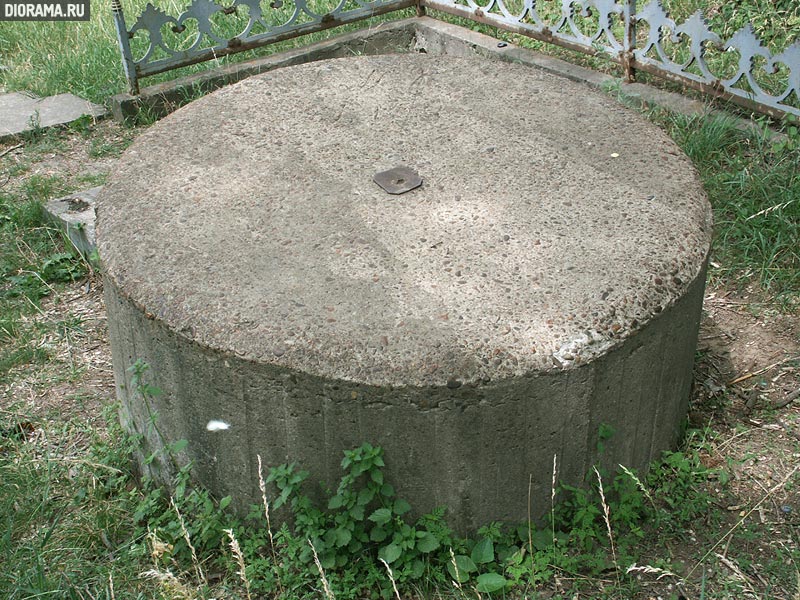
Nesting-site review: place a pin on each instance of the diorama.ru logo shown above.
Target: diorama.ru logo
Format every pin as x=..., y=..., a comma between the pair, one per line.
x=54, y=10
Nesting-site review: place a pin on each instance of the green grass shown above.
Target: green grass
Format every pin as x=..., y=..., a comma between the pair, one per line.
x=64, y=503
x=33, y=259
x=753, y=183
x=776, y=22
x=83, y=57
x=77, y=524
x=68, y=526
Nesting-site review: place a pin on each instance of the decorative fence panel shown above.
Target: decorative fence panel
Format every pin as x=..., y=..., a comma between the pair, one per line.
x=741, y=68
x=758, y=79
x=588, y=26
x=207, y=30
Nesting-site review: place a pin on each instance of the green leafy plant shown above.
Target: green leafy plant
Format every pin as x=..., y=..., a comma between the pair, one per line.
x=196, y=512
x=485, y=564
x=604, y=433
x=680, y=486
x=363, y=518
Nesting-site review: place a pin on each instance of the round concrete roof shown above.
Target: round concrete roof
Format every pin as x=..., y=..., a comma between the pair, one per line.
x=551, y=222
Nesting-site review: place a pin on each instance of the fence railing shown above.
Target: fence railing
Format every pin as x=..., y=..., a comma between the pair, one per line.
x=742, y=69
x=207, y=30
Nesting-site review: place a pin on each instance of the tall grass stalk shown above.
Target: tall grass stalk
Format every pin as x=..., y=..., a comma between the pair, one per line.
x=457, y=580
x=553, y=483
x=530, y=528
x=642, y=488
x=237, y=554
x=607, y=519
x=201, y=576
x=391, y=578
x=262, y=486
x=325, y=585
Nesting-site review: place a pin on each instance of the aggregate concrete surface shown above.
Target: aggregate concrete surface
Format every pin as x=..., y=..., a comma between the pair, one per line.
x=544, y=283
x=550, y=225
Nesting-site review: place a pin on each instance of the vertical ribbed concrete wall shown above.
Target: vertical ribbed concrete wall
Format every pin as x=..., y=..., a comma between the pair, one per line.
x=472, y=449
x=545, y=280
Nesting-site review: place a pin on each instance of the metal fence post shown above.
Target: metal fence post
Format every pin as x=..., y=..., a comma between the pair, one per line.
x=128, y=64
x=629, y=41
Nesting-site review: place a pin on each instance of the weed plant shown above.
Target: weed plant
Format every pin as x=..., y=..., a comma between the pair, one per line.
x=81, y=527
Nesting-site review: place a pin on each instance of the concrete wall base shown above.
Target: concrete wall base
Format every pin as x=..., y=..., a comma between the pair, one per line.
x=474, y=449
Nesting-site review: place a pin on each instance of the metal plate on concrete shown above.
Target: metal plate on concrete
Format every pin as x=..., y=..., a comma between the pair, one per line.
x=398, y=180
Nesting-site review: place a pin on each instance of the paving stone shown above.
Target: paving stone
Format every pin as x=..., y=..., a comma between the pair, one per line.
x=18, y=111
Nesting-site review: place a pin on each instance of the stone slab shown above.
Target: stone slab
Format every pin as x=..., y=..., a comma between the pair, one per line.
x=75, y=215
x=22, y=112
x=475, y=235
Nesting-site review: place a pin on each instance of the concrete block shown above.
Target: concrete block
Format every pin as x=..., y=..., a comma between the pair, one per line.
x=75, y=215
x=531, y=292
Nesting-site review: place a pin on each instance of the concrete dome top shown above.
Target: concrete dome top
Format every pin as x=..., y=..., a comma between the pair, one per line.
x=550, y=225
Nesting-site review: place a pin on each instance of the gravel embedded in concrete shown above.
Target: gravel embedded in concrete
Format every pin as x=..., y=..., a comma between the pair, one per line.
x=549, y=226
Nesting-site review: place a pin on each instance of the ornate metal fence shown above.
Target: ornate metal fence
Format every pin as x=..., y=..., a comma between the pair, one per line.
x=207, y=30
x=743, y=69
x=757, y=80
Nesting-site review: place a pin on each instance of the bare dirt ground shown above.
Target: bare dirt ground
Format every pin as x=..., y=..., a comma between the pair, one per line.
x=746, y=396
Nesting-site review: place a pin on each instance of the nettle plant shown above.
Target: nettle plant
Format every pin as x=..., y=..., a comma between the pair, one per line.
x=365, y=544
x=363, y=526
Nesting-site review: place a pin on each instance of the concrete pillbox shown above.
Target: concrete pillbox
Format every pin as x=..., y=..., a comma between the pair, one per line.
x=543, y=282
